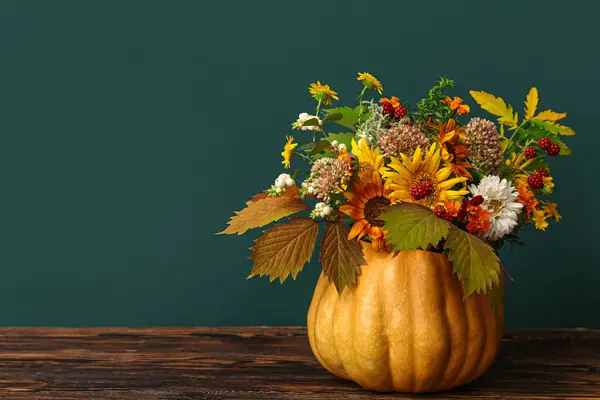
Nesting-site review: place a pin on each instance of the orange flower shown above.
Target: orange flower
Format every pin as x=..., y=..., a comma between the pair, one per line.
x=456, y=104
x=527, y=198
x=479, y=220
x=394, y=101
x=454, y=150
x=366, y=203
x=452, y=207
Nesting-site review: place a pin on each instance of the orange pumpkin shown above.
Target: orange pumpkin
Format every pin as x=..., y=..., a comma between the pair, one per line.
x=405, y=326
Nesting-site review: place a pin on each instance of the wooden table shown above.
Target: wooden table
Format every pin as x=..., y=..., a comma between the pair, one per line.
x=260, y=363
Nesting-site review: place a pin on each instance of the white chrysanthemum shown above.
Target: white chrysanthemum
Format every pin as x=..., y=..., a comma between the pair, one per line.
x=500, y=200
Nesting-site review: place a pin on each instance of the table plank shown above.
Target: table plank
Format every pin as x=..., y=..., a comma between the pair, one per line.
x=260, y=363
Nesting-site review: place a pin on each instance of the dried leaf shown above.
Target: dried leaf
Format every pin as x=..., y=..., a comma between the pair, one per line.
x=341, y=258
x=284, y=249
x=263, y=209
x=531, y=103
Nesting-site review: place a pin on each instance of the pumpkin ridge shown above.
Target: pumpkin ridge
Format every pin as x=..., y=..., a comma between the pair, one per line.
x=383, y=309
x=439, y=279
x=449, y=285
x=317, y=314
x=409, y=277
x=480, y=358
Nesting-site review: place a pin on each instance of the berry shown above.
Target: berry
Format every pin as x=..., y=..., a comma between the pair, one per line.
x=417, y=192
x=553, y=149
x=388, y=109
x=543, y=172
x=530, y=152
x=440, y=211
x=449, y=217
x=427, y=188
x=535, y=181
x=544, y=143
x=420, y=191
x=400, y=111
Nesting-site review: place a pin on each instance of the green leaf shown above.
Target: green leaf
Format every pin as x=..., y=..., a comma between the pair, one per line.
x=547, y=126
x=345, y=138
x=496, y=293
x=564, y=150
x=474, y=261
x=341, y=258
x=349, y=116
x=413, y=226
x=320, y=146
x=334, y=116
x=284, y=249
x=311, y=122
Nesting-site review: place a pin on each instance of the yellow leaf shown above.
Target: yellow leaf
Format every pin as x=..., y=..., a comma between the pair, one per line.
x=531, y=103
x=497, y=106
x=284, y=249
x=549, y=115
x=565, y=130
x=263, y=209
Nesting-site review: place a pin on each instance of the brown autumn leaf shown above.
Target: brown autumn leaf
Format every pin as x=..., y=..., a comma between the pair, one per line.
x=284, y=249
x=263, y=209
x=341, y=258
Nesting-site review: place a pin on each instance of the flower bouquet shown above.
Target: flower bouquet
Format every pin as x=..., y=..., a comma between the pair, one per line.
x=415, y=207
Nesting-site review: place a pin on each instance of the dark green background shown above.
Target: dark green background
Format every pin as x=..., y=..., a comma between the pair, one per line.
x=132, y=129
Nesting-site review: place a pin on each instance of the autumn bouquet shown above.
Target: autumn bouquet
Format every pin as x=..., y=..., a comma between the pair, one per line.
x=433, y=179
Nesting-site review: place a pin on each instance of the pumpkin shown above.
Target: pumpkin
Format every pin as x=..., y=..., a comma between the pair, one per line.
x=404, y=326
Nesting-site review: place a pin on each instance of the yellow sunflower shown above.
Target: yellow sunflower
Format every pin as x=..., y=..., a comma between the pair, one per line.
x=366, y=202
x=370, y=81
x=287, y=151
x=421, y=180
x=322, y=93
x=369, y=159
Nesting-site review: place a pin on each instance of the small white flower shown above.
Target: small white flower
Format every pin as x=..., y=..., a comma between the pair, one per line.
x=327, y=210
x=500, y=200
x=303, y=116
x=279, y=183
x=311, y=189
x=279, y=190
x=305, y=184
x=289, y=181
x=319, y=206
x=342, y=147
x=334, y=143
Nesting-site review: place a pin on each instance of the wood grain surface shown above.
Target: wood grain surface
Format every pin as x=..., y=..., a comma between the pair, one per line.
x=260, y=363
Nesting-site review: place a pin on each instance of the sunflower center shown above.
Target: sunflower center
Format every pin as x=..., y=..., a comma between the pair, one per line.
x=374, y=208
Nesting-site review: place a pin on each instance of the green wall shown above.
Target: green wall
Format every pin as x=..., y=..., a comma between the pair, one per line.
x=130, y=130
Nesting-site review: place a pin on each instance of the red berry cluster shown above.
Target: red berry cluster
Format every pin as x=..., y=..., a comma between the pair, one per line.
x=440, y=211
x=388, y=109
x=552, y=148
x=536, y=181
x=400, y=111
x=422, y=190
x=530, y=152
x=397, y=112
